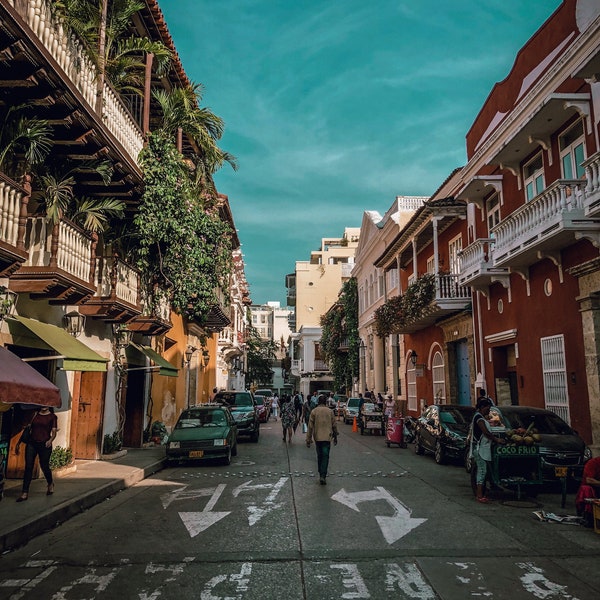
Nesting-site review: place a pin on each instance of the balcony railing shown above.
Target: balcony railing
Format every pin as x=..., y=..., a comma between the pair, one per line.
x=477, y=267
x=77, y=67
x=592, y=190
x=12, y=251
x=547, y=223
x=117, y=279
x=321, y=365
x=227, y=337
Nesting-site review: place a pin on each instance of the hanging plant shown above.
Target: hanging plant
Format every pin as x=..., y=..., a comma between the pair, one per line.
x=182, y=246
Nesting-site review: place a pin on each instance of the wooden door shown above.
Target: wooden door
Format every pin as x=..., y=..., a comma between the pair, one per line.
x=87, y=414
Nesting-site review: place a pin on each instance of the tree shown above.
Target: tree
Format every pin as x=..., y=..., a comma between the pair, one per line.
x=260, y=358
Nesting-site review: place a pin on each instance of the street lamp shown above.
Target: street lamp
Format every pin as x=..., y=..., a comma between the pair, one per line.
x=413, y=358
x=74, y=322
x=8, y=301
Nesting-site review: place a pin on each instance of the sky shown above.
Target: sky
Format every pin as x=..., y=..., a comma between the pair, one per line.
x=336, y=107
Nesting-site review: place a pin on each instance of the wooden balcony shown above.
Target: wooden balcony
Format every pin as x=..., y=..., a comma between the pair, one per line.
x=117, y=297
x=59, y=263
x=12, y=254
x=548, y=223
x=477, y=268
x=449, y=297
x=155, y=318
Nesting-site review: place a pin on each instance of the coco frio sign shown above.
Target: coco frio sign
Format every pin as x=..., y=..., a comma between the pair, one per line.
x=517, y=450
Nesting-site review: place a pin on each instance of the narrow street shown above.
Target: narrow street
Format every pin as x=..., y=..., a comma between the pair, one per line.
x=389, y=523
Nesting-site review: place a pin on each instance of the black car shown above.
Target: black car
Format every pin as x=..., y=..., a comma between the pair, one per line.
x=443, y=429
x=560, y=446
x=203, y=432
x=244, y=410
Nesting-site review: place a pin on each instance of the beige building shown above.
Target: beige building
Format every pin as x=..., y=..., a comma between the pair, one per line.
x=313, y=289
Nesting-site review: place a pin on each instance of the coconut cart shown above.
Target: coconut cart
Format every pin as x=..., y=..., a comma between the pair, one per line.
x=370, y=419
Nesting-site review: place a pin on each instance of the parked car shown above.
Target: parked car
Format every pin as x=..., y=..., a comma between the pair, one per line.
x=243, y=408
x=263, y=406
x=337, y=403
x=350, y=410
x=203, y=432
x=443, y=429
x=560, y=446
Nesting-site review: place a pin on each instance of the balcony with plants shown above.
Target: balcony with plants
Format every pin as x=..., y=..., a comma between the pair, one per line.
x=430, y=298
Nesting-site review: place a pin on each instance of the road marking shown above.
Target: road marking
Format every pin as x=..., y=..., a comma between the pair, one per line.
x=240, y=580
x=256, y=513
x=409, y=580
x=352, y=581
x=536, y=583
x=197, y=522
x=392, y=528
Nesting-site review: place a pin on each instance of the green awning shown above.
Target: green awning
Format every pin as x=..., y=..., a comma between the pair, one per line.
x=165, y=367
x=35, y=334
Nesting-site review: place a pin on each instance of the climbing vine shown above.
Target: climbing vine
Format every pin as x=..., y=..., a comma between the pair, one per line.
x=183, y=246
x=339, y=337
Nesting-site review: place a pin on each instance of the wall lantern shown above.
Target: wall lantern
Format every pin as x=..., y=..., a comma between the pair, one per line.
x=8, y=301
x=189, y=352
x=413, y=358
x=121, y=335
x=74, y=323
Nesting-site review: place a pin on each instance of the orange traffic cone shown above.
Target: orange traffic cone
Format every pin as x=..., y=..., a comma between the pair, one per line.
x=355, y=425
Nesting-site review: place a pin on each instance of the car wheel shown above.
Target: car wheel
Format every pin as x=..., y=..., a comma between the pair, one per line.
x=227, y=459
x=234, y=449
x=439, y=454
x=418, y=448
x=255, y=436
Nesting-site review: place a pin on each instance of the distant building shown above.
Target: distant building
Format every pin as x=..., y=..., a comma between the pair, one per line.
x=313, y=288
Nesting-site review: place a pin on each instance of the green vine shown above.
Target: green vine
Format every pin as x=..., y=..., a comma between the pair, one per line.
x=340, y=330
x=183, y=245
x=399, y=310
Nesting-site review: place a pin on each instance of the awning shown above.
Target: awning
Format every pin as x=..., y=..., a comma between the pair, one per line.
x=35, y=334
x=21, y=383
x=165, y=367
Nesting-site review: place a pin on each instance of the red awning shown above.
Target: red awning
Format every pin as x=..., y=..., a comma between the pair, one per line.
x=21, y=383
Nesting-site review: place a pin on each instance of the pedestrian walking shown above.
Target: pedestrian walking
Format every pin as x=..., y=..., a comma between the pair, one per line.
x=39, y=435
x=275, y=406
x=323, y=430
x=288, y=417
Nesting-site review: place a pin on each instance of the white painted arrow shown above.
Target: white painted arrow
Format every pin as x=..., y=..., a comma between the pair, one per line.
x=256, y=513
x=197, y=522
x=392, y=528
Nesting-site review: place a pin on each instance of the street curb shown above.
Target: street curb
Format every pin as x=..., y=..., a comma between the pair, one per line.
x=73, y=506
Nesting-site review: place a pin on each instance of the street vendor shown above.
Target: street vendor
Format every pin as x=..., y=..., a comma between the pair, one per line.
x=589, y=489
x=482, y=445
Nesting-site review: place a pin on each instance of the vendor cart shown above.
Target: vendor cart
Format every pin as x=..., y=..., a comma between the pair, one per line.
x=517, y=466
x=370, y=420
x=394, y=432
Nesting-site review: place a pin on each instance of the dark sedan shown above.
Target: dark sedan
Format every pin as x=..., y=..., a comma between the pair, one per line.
x=442, y=429
x=243, y=408
x=203, y=432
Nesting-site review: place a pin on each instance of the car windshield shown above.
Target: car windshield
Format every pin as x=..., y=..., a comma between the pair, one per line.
x=234, y=398
x=202, y=418
x=457, y=418
x=352, y=402
x=259, y=400
x=546, y=422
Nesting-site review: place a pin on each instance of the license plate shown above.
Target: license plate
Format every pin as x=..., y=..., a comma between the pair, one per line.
x=196, y=453
x=561, y=471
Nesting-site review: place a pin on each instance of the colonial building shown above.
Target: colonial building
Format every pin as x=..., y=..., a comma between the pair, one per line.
x=313, y=289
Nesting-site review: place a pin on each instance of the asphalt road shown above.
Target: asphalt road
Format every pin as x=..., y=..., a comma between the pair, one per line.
x=388, y=524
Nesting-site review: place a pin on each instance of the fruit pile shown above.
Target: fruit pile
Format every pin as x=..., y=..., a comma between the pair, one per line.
x=523, y=437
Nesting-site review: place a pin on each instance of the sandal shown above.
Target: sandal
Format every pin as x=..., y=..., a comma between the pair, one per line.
x=484, y=500
x=22, y=498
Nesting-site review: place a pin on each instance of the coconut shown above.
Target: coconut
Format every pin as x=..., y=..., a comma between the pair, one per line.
x=528, y=440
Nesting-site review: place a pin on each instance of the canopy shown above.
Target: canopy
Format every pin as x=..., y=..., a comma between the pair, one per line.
x=165, y=367
x=21, y=383
x=35, y=334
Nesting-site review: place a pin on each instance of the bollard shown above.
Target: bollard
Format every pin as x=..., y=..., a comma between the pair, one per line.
x=355, y=425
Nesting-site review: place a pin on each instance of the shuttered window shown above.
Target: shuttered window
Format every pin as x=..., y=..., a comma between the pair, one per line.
x=556, y=397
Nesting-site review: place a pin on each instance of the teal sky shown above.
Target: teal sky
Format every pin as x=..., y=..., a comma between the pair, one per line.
x=334, y=108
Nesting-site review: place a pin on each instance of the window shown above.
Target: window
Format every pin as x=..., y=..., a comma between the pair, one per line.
x=493, y=212
x=439, y=381
x=431, y=265
x=572, y=152
x=381, y=286
x=454, y=248
x=554, y=373
x=533, y=174
x=392, y=279
x=411, y=384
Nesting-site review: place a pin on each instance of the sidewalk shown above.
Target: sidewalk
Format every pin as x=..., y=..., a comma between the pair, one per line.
x=91, y=483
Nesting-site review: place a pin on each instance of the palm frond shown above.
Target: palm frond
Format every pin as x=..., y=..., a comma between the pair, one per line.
x=94, y=214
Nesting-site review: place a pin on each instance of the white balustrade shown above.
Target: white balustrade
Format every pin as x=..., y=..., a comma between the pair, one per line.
x=448, y=287
x=10, y=207
x=474, y=255
x=73, y=59
x=127, y=280
x=592, y=173
x=74, y=248
x=540, y=214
